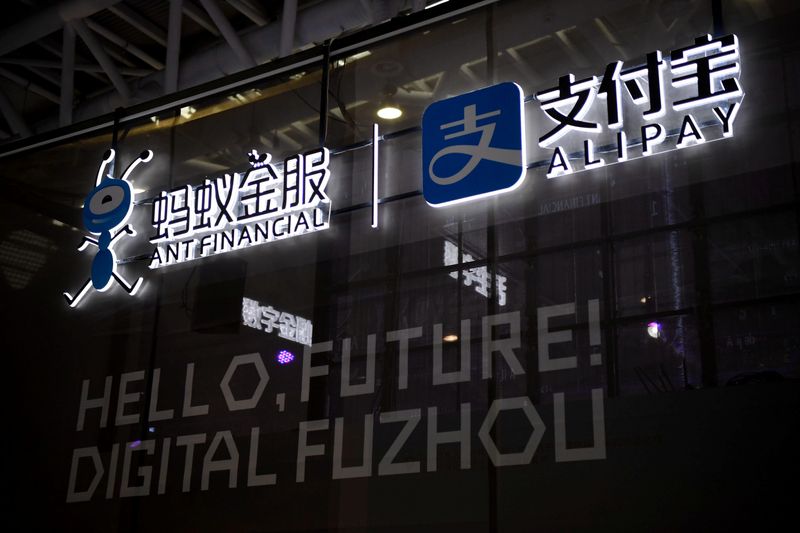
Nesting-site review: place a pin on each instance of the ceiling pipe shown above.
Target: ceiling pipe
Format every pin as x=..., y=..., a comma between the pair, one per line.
x=313, y=25
x=48, y=21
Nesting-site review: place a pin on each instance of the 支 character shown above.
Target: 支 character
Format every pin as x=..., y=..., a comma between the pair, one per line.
x=106, y=211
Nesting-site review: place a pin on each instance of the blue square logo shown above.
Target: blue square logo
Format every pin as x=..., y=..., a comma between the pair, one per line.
x=473, y=145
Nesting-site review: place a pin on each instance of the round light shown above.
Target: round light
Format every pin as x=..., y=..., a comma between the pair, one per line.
x=390, y=112
x=654, y=329
x=450, y=338
x=285, y=357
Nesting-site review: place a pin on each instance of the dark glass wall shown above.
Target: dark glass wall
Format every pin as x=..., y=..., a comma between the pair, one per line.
x=635, y=326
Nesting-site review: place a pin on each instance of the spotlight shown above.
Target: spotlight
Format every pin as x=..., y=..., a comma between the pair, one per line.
x=389, y=112
x=450, y=338
x=388, y=108
x=285, y=357
x=188, y=111
x=654, y=329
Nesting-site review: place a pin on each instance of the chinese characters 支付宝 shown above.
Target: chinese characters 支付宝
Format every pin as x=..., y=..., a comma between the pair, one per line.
x=703, y=90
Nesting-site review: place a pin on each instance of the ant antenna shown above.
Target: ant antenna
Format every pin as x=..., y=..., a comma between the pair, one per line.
x=144, y=157
x=107, y=158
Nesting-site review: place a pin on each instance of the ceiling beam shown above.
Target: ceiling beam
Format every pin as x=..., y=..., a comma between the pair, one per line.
x=250, y=10
x=288, y=20
x=48, y=21
x=200, y=17
x=117, y=56
x=29, y=85
x=67, y=76
x=125, y=45
x=100, y=55
x=56, y=52
x=173, y=46
x=13, y=118
x=227, y=31
x=43, y=74
x=140, y=23
x=82, y=67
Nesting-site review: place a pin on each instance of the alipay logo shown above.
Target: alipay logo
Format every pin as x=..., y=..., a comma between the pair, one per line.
x=473, y=145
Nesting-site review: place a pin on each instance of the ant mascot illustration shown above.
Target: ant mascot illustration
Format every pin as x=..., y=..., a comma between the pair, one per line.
x=106, y=211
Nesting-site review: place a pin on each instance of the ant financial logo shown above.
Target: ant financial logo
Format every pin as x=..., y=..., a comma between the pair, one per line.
x=106, y=211
x=236, y=211
x=223, y=214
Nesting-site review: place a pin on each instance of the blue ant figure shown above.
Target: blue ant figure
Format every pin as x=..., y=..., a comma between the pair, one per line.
x=107, y=209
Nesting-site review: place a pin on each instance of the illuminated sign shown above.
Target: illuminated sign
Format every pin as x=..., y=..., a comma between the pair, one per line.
x=477, y=277
x=223, y=214
x=106, y=211
x=266, y=318
x=236, y=211
x=473, y=145
x=641, y=109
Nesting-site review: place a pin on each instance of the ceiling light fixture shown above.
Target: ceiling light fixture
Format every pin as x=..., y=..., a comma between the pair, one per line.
x=389, y=112
x=388, y=108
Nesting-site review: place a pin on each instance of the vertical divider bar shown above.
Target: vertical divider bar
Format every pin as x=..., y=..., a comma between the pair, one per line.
x=375, y=140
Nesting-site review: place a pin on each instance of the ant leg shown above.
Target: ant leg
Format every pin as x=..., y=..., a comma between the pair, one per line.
x=128, y=229
x=81, y=293
x=125, y=285
x=86, y=242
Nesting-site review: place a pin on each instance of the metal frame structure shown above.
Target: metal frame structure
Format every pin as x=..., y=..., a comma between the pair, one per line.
x=121, y=63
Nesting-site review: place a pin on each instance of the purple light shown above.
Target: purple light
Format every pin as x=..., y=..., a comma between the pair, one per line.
x=654, y=329
x=135, y=444
x=285, y=357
